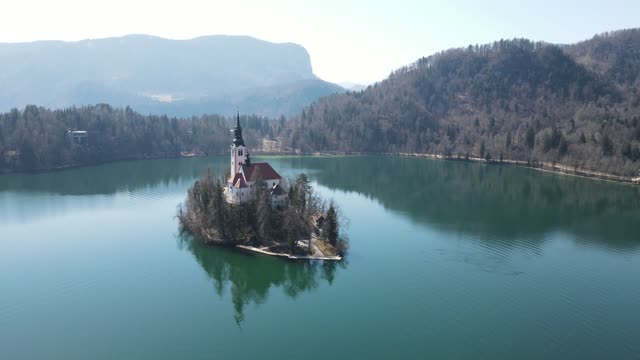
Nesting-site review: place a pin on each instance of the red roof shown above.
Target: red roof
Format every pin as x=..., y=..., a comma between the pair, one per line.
x=264, y=169
x=235, y=178
x=240, y=184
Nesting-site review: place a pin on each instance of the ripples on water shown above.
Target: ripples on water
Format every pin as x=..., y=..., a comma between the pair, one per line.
x=460, y=261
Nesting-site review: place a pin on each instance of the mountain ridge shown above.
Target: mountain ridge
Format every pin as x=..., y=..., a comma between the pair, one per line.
x=136, y=70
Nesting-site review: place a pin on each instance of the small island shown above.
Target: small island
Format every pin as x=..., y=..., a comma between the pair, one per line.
x=257, y=210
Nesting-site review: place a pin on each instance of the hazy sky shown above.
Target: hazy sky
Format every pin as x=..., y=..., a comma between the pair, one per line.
x=357, y=41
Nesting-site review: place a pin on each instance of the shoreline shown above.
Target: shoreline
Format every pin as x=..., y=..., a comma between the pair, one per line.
x=548, y=167
x=263, y=251
x=557, y=168
x=208, y=240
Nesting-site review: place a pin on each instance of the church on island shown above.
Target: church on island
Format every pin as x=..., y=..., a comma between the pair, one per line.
x=244, y=173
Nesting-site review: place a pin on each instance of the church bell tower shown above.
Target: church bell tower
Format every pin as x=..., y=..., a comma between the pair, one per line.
x=238, y=149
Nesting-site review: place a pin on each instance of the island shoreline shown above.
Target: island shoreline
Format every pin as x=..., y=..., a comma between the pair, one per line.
x=263, y=251
x=207, y=240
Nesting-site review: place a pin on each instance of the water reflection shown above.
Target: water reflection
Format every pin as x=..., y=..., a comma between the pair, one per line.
x=126, y=176
x=27, y=197
x=249, y=278
x=497, y=201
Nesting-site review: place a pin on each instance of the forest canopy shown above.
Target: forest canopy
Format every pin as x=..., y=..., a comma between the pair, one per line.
x=513, y=99
x=38, y=135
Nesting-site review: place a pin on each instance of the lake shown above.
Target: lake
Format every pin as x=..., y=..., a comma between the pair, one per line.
x=447, y=260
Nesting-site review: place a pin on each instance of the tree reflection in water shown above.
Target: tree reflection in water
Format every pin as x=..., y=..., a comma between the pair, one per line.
x=250, y=277
x=486, y=201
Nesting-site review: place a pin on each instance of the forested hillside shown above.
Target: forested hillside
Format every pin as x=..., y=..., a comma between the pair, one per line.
x=35, y=138
x=615, y=55
x=578, y=105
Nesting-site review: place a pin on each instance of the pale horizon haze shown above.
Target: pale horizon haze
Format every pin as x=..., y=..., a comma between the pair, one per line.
x=348, y=41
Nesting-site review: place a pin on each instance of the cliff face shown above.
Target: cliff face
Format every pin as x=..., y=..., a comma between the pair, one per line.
x=206, y=74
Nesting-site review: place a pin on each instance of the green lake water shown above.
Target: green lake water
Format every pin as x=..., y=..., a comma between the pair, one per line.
x=447, y=260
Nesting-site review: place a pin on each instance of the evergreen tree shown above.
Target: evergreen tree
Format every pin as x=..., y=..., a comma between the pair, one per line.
x=330, y=230
x=563, y=147
x=263, y=210
x=607, y=145
x=583, y=139
x=530, y=138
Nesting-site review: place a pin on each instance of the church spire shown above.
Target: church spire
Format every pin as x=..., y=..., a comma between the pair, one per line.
x=237, y=133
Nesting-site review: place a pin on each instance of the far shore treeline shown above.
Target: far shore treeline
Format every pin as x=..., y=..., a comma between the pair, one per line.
x=38, y=136
x=576, y=105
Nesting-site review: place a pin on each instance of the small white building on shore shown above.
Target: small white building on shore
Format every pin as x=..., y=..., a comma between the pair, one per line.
x=78, y=136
